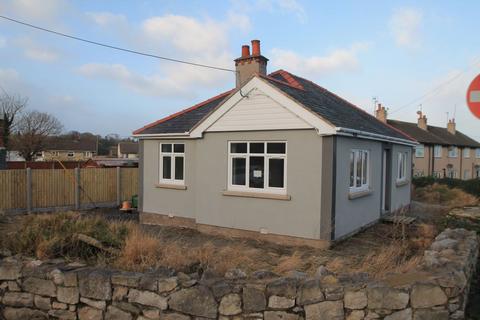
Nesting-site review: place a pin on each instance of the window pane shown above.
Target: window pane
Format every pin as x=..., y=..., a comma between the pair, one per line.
x=257, y=172
x=166, y=147
x=179, y=147
x=178, y=168
x=365, y=168
x=276, y=172
x=352, y=169
x=358, y=159
x=238, y=171
x=238, y=148
x=167, y=167
x=276, y=147
x=257, y=147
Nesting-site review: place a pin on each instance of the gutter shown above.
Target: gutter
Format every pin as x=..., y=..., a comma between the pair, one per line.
x=161, y=135
x=373, y=136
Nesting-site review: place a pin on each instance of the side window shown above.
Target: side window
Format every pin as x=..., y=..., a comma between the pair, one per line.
x=402, y=166
x=172, y=163
x=359, y=170
x=420, y=151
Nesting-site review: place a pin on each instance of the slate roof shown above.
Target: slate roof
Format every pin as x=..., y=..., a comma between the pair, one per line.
x=330, y=107
x=69, y=144
x=434, y=135
x=128, y=147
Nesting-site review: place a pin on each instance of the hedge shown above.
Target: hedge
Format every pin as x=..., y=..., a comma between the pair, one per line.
x=471, y=186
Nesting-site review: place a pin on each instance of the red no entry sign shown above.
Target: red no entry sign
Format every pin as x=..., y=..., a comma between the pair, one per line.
x=473, y=96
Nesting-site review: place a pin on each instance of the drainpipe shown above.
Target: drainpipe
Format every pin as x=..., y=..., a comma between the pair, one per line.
x=433, y=160
x=461, y=163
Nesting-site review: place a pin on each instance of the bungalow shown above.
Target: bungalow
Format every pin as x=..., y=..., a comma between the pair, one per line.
x=278, y=156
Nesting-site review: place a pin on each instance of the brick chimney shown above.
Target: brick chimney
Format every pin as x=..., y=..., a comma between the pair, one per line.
x=249, y=64
x=381, y=113
x=422, y=121
x=451, y=126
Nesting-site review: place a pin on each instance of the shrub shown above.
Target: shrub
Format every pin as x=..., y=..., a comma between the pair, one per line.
x=445, y=195
x=471, y=186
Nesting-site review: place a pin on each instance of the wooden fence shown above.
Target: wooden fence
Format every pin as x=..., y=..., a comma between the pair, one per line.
x=30, y=190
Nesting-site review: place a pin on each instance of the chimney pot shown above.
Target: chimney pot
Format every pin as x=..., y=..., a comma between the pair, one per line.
x=422, y=121
x=255, y=47
x=245, y=51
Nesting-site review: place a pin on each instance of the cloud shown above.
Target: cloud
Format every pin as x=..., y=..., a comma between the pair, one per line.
x=338, y=60
x=35, y=51
x=107, y=18
x=285, y=6
x=44, y=10
x=405, y=24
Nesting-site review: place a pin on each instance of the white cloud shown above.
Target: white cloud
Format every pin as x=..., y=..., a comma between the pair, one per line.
x=405, y=24
x=44, y=10
x=286, y=6
x=35, y=51
x=107, y=18
x=338, y=60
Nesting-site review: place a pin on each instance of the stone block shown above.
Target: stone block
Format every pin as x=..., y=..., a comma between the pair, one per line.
x=10, y=271
x=230, y=305
x=356, y=315
x=167, y=285
x=126, y=279
x=89, y=313
x=59, y=305
x=286, y=287
x=62, y=314
x=147, y=298
x=426, y=296
x=278, y=302
x=387, y=298
x=429, y=314
x=114, y=313
x=42, y=303
x=10, y=313
x=95, y=284
x=355, y=300
x=400, y=315
x=18, y=299
x=119, y=293
x=280, y=315
x=331, y=310
x=197, y=301
x=253, y=299
x=310, y=292
x=97, y=304
x=69, y=295
x=173, y=316
x=40, y=286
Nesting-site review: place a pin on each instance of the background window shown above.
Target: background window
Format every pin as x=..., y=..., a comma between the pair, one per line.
x=172, y=163
x=477, y=153
x=437, y=151
x=402, y=166
x=420, y=151
x=257, y=166
x=466, y=152
x=452, y=152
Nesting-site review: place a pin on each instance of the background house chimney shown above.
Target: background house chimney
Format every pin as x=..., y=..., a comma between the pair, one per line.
x=422, y=120
x=248, y=65
x=381, y=113
x=451, y=126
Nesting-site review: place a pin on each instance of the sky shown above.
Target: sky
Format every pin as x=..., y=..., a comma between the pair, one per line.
x=410, y=55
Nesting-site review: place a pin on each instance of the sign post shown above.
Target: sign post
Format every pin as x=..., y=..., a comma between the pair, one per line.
x=473, y=96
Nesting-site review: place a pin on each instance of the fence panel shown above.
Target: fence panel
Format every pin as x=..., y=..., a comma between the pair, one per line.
x=98, y=185
x=13, y=189
x=53, y=188
x=128, y=183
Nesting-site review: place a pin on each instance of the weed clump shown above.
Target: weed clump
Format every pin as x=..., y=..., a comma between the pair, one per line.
x=443, y=195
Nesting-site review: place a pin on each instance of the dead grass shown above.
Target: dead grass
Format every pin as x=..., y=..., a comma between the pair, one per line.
x=443, y=195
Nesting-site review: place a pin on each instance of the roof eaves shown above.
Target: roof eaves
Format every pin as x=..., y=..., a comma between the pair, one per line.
x=179, y=113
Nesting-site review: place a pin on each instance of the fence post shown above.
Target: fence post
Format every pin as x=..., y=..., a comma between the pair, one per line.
x=119, y=187
x=29, y=190
x=77, y=188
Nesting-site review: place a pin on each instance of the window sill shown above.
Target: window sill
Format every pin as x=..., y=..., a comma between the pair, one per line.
x=401, y=183
x=258, y=195
x=171, y=186
x=359, y=194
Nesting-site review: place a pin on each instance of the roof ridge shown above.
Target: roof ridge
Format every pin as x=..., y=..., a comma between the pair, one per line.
x=357, y=107
x=290, y=79
x=179, y=113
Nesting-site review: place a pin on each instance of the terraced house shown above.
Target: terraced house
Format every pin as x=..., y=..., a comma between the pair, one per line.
x=276, y=157
x=442, y=152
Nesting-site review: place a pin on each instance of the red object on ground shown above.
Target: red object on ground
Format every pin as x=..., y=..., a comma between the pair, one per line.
x=473, y=96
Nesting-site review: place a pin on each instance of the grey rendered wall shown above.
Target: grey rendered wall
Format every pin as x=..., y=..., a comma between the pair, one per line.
x=350, y=215
x=180, y=203
x=400, y=194
x=298, y=217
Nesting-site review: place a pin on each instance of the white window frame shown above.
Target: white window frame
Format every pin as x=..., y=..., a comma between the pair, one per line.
x=267, y=156
x=453, y=152
x=402, y=174
x=363, y=186
x=173, y=155
x=466, y=152
x=71, y=154
x=418, y=148
x=437, y=151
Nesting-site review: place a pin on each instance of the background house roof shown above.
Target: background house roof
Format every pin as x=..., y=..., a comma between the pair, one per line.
x=70, y=144
x=128, y=147
x=330, y=107
x=434, y=135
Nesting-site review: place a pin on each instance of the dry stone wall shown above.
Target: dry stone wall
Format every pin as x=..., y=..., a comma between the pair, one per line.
x=31, y=289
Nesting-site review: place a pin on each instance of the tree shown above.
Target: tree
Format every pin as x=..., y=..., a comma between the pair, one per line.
x=10, y=108
x=31, y=132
